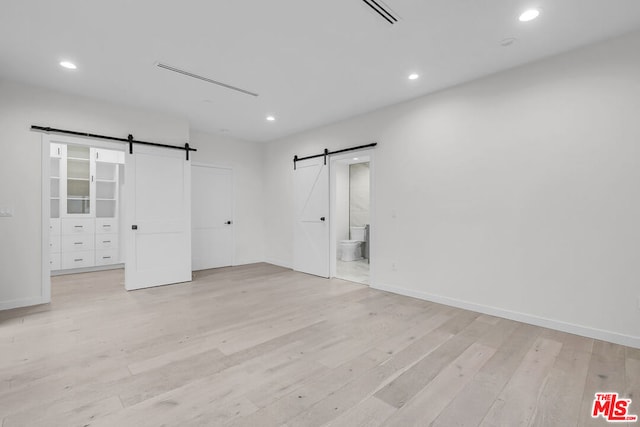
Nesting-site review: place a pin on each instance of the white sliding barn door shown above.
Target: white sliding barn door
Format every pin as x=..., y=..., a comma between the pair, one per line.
x=311, y=203
x=158, y=223
x=212, y=217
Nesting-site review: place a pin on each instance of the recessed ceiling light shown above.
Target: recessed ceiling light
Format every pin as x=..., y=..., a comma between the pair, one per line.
x=355, y=158
x=413, y=76
x=271, y=118
x=68, y=65
x=529, y=15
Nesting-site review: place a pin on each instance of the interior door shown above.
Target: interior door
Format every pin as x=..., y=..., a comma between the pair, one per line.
x=158, y=206
x=212, y=217
x=311, y=203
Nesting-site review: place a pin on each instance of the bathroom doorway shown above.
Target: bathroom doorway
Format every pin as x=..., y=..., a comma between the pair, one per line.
x=351, y=227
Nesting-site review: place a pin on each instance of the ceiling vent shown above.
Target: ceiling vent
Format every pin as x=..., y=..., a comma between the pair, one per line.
x=383, y=10
x=206, y=79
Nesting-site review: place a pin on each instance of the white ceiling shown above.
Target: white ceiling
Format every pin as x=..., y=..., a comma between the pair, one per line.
x=311, y=62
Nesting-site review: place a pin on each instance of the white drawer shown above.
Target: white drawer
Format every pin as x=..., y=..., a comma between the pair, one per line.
x=54, y=261
x=107, y=257
x=81, y=242
x=106, y=241
x=106, y=225
x=54, y=226
x=54, y=244
x=78, y=226
x=109, y=156
x=78, y=259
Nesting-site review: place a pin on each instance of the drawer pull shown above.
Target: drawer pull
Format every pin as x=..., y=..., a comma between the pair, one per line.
x=78, y=226
x=78, y=259
x=106, y=241
x=106, y=226
x=77, y=243
x=106, y=257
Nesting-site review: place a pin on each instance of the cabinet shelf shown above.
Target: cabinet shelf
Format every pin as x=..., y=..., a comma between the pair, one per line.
x=77, y=159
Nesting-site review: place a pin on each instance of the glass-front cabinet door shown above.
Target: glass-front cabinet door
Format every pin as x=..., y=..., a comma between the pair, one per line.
x=79, y=180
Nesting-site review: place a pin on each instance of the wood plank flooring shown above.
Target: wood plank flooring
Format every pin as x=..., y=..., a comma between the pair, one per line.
x=260, y=345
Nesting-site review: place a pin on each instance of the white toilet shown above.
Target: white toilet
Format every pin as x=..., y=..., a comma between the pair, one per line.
x=351, y=250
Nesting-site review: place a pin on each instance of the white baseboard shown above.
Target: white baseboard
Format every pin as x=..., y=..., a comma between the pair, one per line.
x=279, y=263
x=248, y=262
x=25, y=302
x=87, y=269
x=613, y=337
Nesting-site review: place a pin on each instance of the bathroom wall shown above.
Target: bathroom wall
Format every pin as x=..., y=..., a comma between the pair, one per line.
x=341, y=219
x=359, y=189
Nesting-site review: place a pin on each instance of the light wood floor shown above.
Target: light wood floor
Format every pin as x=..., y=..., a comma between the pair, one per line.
x=260, y=345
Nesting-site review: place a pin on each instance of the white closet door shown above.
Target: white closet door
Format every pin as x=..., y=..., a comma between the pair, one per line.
x=158, y=225
x=212, y=217
x=311, y=204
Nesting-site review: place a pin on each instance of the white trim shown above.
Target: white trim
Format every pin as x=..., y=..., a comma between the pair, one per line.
x=25, y=302
x=45, y=193
x=370, y=152
x=88, y=269
x=279, y=263
x=249, y=262
x=86, y=141
x=585, y=331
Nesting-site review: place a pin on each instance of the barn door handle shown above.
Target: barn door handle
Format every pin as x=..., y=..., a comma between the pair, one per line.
x=322, y=218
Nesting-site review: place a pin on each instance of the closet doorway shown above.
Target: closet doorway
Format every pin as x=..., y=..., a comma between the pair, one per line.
x=86, y=185
x=89, y=225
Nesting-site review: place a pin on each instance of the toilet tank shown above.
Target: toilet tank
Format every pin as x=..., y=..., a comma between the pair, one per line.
x=357, y=233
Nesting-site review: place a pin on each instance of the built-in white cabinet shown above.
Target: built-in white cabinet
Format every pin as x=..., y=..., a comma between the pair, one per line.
x=58, y=151
x=85, y=195
x=55, y=244
x=106, y=182
x=107, y=242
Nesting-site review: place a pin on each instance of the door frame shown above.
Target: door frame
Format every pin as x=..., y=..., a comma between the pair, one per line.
x=233, y=203
x=45, y=192
x=332, y=209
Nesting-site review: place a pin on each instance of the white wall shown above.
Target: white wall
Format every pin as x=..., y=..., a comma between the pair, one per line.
x=517, y=194
x=20, y=170
x=246, y=159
